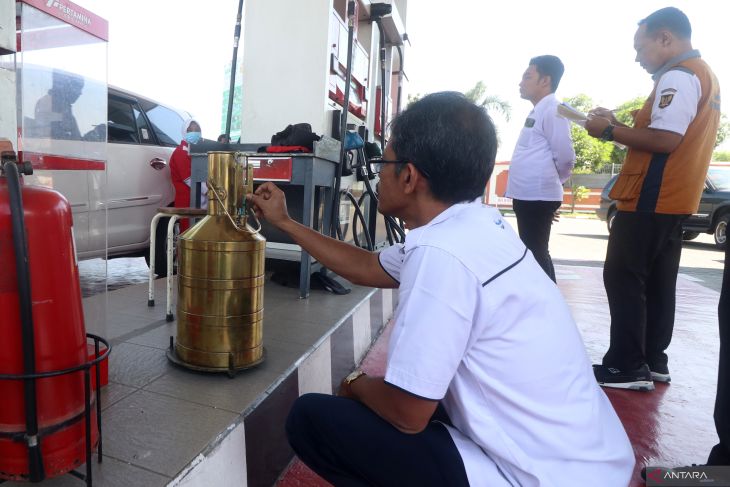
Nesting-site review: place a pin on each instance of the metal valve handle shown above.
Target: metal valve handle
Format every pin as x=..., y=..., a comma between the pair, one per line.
x=248, y=188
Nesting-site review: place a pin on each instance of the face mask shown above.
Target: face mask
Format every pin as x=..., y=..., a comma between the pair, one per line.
x=192, y=137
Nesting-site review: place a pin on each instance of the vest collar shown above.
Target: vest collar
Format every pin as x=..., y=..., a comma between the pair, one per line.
x=674, y=61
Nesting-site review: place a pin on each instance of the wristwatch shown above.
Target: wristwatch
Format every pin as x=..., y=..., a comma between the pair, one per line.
x=354, y=375
x=607, y=133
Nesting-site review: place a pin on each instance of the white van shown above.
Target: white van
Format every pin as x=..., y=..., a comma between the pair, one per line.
x=141, y=136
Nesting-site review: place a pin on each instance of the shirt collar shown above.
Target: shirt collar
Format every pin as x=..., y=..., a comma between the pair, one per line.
x=674, y=61
x=413, y=236
x=544, y=101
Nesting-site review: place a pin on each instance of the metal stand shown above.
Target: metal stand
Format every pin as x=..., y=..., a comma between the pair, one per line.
x=231, y=370
x=174, y=214
x=22, y=437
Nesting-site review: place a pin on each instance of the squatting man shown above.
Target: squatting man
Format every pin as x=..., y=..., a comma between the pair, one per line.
x=487, y=381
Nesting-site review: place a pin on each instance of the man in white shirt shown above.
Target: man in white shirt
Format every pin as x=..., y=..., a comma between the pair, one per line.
x=542, y=160
x=488, y=382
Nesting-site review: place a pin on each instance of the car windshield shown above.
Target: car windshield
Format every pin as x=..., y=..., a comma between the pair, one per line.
x=720, y=177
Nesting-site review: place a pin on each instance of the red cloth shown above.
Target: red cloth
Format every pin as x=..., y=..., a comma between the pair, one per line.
x=180, y=163
x=287, y=148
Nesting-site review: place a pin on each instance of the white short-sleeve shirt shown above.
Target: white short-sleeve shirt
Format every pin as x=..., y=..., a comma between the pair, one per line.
x=543, y=157
x=481, y=327
x=677, y=94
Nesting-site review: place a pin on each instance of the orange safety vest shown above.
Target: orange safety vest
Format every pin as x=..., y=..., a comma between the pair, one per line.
x=672, y=183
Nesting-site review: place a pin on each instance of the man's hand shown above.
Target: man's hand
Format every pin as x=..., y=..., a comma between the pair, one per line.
x=345, y=390
x=596, y=125
x=556, y=216
x=601, y=112
x=269, y=202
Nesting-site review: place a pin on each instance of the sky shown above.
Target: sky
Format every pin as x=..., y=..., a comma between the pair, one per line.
x=175, y=51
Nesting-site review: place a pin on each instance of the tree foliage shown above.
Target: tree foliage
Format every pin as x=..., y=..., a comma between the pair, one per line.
x=624, y=113
x=590, y=153
x=413, y=98
x=721, y=155
x=578, y=193
x=477, y=94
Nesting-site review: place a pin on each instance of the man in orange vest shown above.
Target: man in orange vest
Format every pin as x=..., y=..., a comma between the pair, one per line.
x=660, y=184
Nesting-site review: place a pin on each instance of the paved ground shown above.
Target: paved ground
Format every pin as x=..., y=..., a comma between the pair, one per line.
x=582, y=241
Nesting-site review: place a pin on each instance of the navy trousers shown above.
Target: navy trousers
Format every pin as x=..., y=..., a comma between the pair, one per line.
x=640, y=276
x=347, y=444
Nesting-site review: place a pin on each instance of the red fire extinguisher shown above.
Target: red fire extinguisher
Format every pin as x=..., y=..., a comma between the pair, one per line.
x=42, y=429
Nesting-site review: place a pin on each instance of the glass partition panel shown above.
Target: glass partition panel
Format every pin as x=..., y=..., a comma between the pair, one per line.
x=62, y=115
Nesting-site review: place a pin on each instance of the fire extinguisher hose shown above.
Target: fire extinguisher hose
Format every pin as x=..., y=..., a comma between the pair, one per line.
x=20, y=246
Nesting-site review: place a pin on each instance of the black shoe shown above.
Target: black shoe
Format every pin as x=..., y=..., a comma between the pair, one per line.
x=635, y=380
x=660, y=373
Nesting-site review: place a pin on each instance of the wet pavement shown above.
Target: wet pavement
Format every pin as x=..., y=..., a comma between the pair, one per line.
x=118, y=273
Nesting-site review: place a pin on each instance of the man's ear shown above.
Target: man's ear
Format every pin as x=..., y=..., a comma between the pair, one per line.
x=546, y=80
x=408, y=178
x=666, y=38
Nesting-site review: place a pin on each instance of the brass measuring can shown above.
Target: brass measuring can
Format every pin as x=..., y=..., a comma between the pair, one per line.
x=221, y=277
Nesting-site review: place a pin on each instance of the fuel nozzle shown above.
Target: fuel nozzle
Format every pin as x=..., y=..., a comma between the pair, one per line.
x=379, y=10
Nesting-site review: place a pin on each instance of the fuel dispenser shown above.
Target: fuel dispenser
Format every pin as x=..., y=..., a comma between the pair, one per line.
x=331, y=66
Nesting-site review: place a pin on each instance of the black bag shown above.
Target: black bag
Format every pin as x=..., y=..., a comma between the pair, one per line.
x=298, y=134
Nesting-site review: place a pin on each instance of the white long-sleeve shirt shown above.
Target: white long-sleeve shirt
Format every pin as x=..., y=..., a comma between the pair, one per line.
x=543, y=157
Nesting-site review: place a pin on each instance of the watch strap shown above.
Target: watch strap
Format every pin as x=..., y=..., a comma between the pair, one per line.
x=354, y=376
x=607, y=133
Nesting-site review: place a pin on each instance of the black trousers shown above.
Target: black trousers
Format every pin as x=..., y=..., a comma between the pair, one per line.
x=720, y=454
x=349, y=445
x=640, y=276
x=534, y=219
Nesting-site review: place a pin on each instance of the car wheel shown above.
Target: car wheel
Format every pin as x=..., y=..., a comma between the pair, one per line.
x=690, y=235
x=160, y=249
x=720, y=232
x=609, y=220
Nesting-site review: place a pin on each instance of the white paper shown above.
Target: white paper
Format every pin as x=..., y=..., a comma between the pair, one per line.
x=578, y=118
x=570, y=113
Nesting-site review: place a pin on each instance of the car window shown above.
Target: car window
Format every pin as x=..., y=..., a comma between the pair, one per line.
x=145, y=133
x=166, y=123
x=720, y=177
x=122, y=126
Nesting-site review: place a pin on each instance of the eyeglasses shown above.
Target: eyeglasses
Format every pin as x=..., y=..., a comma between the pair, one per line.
x=376, y=165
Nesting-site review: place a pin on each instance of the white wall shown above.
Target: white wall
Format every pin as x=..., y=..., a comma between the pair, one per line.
x=285, y=66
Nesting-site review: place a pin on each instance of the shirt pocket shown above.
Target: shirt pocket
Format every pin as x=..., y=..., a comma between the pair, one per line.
x=525, y=137
x=627, y=186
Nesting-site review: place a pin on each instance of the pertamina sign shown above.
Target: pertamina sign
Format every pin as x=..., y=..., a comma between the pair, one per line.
x=74, y=15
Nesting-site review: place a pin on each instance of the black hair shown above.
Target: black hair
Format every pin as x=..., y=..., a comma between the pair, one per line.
x=671, y=19
x=452, y=140
x=549, y=66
